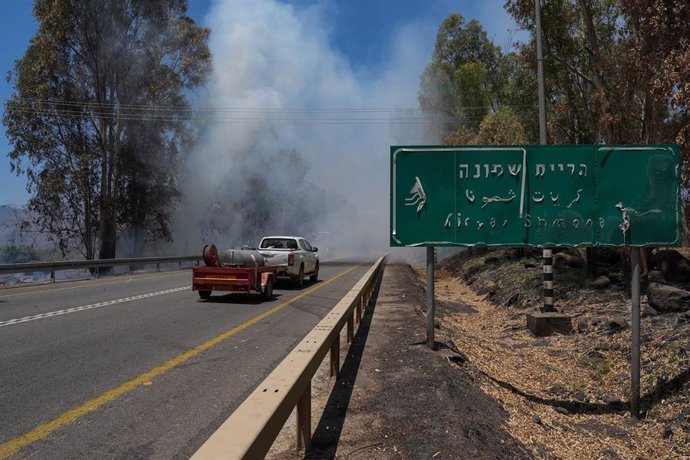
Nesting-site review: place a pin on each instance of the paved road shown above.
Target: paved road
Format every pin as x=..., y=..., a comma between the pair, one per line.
x=139, y=366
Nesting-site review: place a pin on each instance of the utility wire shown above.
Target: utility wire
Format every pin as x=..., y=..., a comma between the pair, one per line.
x=173, y=117
x=149, y=107
x=238, y=115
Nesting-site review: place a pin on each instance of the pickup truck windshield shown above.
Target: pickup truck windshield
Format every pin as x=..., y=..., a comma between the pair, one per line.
x=279, y=243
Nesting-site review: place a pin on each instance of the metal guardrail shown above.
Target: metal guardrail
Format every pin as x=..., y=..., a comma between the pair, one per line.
x=52, y=267
x=251, y=430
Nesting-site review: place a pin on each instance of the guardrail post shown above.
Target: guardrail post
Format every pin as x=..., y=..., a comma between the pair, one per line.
x=52, y=276
x=158, y=267
x=304, y=419
x=98, y=272
x=335, y=357
x=350, y=328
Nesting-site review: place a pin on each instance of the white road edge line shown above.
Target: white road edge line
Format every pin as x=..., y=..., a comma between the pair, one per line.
x=66, y=311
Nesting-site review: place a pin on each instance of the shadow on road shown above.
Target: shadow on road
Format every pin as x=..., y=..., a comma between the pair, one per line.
x=288, y=285
x=240, y=299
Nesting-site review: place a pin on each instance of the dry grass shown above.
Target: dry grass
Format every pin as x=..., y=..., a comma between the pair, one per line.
x=568, y=396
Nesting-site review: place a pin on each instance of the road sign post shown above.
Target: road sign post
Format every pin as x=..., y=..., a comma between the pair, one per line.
x=430, y=299
x=635, y=326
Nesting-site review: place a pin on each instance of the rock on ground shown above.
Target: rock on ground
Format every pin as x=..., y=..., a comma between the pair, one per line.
x=668, y=299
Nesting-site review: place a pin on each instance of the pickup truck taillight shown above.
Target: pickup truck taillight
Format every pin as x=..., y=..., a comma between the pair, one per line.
x=291, y=259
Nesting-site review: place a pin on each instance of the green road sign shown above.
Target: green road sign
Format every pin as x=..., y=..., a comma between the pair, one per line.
x=545, y=195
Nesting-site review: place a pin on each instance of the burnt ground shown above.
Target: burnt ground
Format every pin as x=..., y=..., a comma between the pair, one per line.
x=396, y=398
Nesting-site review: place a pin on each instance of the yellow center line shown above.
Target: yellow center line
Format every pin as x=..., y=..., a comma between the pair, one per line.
x=41, y=431
x=86, y=284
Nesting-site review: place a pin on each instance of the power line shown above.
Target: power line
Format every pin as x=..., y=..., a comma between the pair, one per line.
x=123, y=116
x=239, y=115
x=173, y=108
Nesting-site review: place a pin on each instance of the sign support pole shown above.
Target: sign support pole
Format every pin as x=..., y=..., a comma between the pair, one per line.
x=547, y=254
x=430, y=297
x=635, y=348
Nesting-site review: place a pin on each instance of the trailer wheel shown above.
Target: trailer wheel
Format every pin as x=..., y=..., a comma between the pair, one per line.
x=315, y=276
x=205, y=294
x=268, y=290
x=300, y=277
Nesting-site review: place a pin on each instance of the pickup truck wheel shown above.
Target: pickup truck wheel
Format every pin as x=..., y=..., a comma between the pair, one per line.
x=205, y=294
x=315, y=276
x=268, y=290
x=300, y=277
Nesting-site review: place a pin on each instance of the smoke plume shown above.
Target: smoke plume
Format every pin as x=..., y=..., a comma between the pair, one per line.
x=296, y=138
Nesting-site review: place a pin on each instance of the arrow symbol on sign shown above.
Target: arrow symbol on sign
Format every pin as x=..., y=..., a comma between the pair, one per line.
x=417, y=196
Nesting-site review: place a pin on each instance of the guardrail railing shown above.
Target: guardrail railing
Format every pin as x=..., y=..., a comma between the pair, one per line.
x=251, y=430
x=52, y=267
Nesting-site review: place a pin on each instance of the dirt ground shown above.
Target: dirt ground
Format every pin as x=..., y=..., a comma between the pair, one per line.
x=491, y=389
x=396, y=398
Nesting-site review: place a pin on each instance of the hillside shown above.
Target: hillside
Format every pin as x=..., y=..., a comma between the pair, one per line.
x=568, y=395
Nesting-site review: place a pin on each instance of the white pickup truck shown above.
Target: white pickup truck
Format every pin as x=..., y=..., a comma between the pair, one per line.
x=293, y=255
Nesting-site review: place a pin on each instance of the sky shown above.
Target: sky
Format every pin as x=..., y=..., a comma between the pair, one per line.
x=362, y=35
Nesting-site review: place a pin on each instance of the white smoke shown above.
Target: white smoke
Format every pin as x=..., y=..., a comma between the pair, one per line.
x=275, y=61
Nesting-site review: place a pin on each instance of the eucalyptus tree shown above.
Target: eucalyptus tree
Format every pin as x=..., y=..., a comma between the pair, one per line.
x=460, y=79
x=469, y=78
x=100, y=116
x=616, y=71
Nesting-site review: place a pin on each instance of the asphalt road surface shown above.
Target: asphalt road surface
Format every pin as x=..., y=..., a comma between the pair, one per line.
x=137, y=366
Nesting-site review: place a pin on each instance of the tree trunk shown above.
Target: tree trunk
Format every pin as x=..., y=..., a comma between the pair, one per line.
x=598, y=79
x=605, y=107
x=108, y=237
x=591, y=255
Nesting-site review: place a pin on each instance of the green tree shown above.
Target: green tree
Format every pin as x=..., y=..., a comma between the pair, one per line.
x=470, y=78
x=460, y=80
x=501, y=128
x=100, y=116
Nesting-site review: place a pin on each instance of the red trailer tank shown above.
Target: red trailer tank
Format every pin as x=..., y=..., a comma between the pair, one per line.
x=235, y=270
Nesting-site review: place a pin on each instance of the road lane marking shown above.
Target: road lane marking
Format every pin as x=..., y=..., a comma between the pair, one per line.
x=12, y=446
x=66, y=311
x=87, y=283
